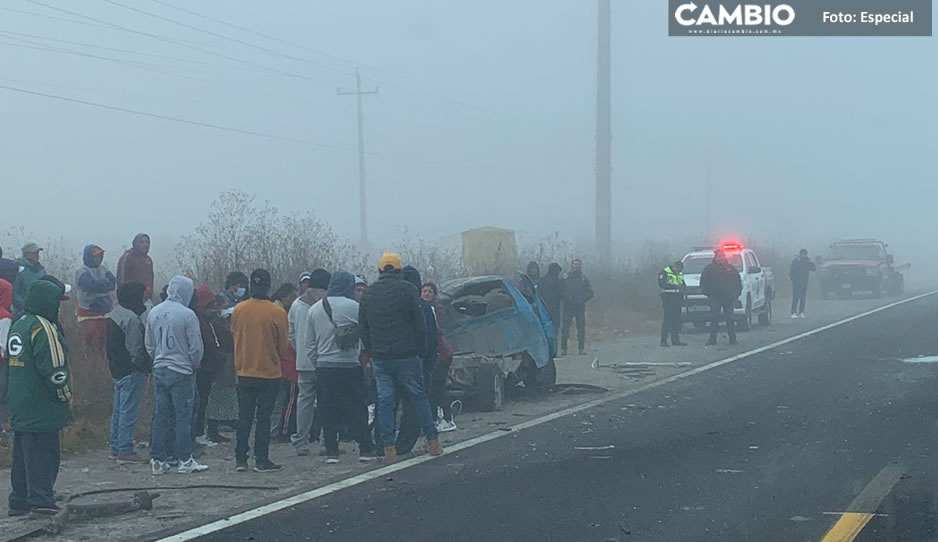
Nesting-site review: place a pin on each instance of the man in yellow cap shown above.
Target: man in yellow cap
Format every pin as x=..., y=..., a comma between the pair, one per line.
x=394, y=334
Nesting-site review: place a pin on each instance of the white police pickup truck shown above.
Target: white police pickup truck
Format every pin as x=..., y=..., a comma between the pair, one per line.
x=758, y=286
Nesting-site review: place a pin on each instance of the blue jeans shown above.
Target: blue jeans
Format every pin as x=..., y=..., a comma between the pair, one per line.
x=128, y=396
x=408, y=373
x=171, y=433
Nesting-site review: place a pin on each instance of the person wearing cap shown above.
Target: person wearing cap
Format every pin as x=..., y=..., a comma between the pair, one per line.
x=38, y=399
x=360, y=286
x=260, y=332
x=95, y=284
x=305, y=364
x=135, y=264
x=394, y=333
x=303, y=282
x=30, y=270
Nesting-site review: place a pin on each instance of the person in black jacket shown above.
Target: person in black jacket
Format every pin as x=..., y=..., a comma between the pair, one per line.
x=577, y=291
x=550, y=288
x=409, y=430
x=720, y=281
x=799, y=272
x=129, y=363
x=393, y=329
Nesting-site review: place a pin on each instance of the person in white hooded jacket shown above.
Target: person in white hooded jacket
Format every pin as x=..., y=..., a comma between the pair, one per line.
x=174, y=342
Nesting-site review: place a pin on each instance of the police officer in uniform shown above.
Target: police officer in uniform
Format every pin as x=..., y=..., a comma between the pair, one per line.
x=671, y=283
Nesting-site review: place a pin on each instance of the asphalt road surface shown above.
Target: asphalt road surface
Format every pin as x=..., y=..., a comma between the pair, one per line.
x=829, y=438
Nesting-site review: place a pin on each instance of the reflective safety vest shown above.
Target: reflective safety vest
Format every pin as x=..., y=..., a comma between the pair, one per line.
x=672, y=281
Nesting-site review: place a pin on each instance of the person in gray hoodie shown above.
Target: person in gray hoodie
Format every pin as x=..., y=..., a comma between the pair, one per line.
x=332, y=334
x=174, y=341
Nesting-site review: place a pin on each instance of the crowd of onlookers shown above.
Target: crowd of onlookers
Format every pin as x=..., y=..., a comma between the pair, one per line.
x=328, y=358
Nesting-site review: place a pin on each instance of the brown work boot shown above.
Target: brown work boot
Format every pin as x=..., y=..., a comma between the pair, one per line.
x=434, y=447
x=390, y=454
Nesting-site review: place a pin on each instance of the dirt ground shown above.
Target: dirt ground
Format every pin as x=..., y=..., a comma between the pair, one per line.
x=611, y=366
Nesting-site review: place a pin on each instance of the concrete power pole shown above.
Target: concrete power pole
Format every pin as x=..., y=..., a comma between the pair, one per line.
x=604, y=135
x=358, y=93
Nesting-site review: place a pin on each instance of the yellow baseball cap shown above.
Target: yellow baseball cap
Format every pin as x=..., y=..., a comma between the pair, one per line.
x=390, y=259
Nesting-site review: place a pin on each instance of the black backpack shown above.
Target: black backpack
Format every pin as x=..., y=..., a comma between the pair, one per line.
x=347, y=336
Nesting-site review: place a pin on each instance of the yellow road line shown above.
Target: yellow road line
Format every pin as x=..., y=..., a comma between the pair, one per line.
x=847, y=527
x=863, y=507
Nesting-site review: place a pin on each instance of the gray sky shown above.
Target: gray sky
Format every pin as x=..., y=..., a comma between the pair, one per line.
x=485, y=116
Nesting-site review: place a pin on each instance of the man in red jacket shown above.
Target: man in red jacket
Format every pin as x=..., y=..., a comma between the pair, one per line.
x=135, y=265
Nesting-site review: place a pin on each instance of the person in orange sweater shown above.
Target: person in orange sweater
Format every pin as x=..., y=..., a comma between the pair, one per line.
x=260, y=331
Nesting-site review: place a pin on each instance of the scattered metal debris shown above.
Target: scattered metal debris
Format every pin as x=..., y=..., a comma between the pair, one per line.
x=729, y=471
x=595, y=448
x=920, y=359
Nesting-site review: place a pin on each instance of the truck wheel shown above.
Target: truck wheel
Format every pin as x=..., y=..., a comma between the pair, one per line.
x=490, y=388
x=746, y=323
x=765, y=317
x=540, y=379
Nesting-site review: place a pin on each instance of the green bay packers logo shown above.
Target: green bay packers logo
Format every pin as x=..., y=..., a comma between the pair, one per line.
x=59, y=378
x=15, y=345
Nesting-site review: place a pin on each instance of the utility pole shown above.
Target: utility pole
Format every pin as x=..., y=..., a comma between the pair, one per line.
x=709, y=188
x=604, y=134
x=358, y=93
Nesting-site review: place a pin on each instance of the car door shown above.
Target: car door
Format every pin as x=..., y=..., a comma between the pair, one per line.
x=758, y=280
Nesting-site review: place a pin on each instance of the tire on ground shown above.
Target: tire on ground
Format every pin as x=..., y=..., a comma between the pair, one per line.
x=490, y=388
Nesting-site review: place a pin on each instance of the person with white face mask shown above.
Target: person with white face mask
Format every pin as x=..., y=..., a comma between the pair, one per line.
x=236, y=284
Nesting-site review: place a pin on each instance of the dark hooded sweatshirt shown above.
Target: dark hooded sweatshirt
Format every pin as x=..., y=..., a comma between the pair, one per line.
x=39, y=381
x=550, y=288
x=412, y=276
x=126, y=352
x=135, y=266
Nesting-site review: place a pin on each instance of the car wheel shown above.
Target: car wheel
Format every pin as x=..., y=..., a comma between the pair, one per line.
x=490, y=388
x=540, y=379
x=878, y=289
x=765, y=317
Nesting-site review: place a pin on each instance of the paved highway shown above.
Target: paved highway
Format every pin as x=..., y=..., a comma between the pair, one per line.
x=827, y=438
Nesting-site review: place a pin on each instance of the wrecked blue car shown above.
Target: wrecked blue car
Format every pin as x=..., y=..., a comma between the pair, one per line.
x=501, y=335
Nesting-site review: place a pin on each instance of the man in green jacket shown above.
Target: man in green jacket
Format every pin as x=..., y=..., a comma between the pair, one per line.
x=30, y=271
x=38, y=399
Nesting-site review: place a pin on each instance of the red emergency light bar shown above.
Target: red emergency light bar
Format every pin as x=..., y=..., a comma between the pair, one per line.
x=731, y=246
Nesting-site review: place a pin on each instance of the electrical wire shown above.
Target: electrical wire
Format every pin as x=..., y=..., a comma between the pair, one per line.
x=181, y=44
x=168, y=117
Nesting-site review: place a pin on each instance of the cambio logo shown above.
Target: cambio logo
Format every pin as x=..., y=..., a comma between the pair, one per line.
x=741, y=15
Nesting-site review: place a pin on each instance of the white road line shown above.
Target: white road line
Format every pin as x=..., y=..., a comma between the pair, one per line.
x=267, y=509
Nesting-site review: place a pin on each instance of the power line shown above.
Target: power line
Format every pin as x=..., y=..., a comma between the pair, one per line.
x=326, y=54
x=220, y=127
x=27, y=44
x=204, y=31
x=168, y=117
x=11, y=33
x=181, y=44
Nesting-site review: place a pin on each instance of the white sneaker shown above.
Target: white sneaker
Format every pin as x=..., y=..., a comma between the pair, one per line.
x=205, y=441
x=444, y=426
x=794, y=316
x=802, y=315
x=159, y=467
x=191, y=466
